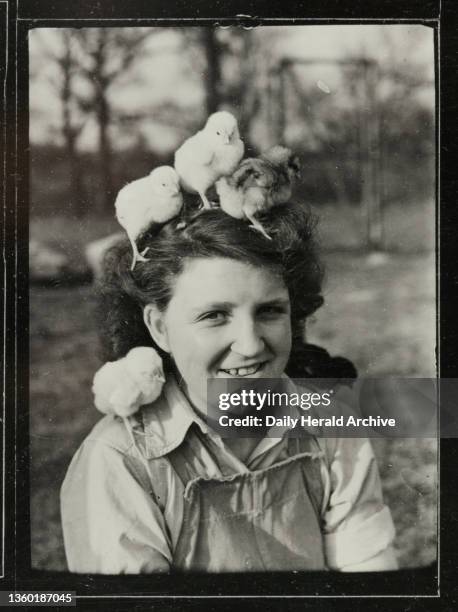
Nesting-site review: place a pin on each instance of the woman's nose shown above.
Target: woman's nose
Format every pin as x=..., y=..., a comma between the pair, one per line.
x=248, y=340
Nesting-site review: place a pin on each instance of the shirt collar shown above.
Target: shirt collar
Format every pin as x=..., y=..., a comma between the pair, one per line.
x=277, y=433
x=167, y=421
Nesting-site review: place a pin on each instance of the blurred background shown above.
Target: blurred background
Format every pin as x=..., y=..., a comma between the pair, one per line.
x=356, y=102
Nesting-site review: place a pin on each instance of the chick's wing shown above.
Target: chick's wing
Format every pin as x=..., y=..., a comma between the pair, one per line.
x=195, y=151
x=254, y=171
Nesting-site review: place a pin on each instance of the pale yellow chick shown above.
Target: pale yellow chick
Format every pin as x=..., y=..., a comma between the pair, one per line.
x=121, y=387
x=155, y=198
x=210, y=154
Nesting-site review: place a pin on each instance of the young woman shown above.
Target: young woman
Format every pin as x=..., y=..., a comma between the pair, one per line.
x=218, y=300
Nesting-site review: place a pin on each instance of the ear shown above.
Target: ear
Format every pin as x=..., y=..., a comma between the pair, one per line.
x=154, y=321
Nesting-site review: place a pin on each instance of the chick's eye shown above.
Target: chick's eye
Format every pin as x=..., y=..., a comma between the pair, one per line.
x=219, y=133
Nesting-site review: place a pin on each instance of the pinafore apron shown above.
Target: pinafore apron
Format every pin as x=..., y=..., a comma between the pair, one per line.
x=260, y=520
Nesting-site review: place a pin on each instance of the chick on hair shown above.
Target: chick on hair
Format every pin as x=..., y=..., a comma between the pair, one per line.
x=287, y=169
x=213, y=152
x=255, y=187
x=155, y=198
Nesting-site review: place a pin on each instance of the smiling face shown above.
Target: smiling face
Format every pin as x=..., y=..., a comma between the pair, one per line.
x=225, y=319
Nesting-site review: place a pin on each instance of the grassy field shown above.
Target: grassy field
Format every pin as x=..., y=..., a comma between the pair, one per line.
x=378, y=312
x=383, y=318
x=408, y=228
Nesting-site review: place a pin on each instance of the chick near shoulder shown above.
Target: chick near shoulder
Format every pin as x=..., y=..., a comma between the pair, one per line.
x=121, y=387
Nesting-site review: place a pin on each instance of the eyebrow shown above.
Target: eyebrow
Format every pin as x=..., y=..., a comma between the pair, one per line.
x=276, y=302
x=216, y=305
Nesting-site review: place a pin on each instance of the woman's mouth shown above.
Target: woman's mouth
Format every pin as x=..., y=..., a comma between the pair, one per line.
x=244, y=371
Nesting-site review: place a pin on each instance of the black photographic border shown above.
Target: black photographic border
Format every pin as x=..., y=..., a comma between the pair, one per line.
x=173, y=589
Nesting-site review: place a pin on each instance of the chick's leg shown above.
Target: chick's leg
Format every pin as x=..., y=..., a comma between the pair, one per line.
x=255, y=201
x=137, y=256
x=252, y=204
x=256, y=225
x=205, y=202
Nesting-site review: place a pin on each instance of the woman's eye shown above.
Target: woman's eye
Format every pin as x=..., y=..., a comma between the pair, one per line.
x=216, y=316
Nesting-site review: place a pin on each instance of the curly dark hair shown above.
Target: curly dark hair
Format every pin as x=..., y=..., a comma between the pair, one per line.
x=123, y=293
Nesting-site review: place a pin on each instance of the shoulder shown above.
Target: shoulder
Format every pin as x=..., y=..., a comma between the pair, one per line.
x=107, y=452
x=105, y=449
x=154, y=429
x=346, y=451
x=110, y=432
x=113, y=431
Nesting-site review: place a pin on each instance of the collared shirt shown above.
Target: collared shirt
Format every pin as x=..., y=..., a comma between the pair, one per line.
x=122, y=501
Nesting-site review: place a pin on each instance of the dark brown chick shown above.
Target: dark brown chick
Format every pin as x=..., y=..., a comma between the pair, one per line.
x=248, y=191
x=287, y=168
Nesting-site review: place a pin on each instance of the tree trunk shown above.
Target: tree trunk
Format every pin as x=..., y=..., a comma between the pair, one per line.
x=77, y=181
x=250, y=102
x=76, y=195
x=213, y=74
x=371, y=187
x=105, y=153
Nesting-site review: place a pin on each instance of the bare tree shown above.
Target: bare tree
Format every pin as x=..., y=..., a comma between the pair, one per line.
x=242, y=88
x=106, y=55
x=213, y=51
x=71, y=128
x=72, y=123
x=227, y=60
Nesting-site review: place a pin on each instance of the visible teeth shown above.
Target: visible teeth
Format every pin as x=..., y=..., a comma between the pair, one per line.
x=243, y=371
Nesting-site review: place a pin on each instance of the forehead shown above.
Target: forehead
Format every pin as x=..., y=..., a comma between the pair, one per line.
x=221, y=279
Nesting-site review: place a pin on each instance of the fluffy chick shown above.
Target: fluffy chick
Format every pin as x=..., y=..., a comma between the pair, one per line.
x=287, y=168
x=248, y=191
x=155, y=198
x=121, y=387
x=145, y=366
x=210, y=154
